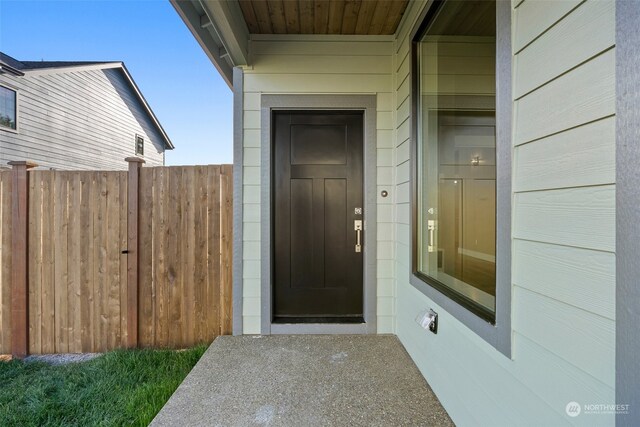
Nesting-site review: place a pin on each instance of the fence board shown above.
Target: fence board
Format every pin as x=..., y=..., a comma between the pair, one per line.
x=59, y=233
x=213, y=252
x=174, y=258
x=5, y=261
x=77, y=282
x=200, y=249
x=86, y=261
x=48, y=262
x=35, y=261
x=226, y=237
x=161, y=204
x=189, y=255
x=112, y=293
x=145, y=259
x=124, y=227
x=73, y=253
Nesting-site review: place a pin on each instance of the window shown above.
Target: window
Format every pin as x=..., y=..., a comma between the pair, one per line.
x=461, y=218
x=139, y=145
x=8, y=108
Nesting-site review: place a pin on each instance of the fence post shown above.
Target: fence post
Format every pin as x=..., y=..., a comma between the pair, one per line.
x=133, y=252
x=19, y=258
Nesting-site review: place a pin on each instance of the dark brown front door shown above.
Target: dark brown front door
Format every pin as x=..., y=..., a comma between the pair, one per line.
x=318, y=180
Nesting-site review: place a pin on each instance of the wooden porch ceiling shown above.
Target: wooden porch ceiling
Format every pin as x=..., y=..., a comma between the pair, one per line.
x=373, y=17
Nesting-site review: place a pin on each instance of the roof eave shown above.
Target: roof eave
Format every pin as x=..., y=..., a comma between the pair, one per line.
x=4, y=68
x=168, y=144
x=219, y=28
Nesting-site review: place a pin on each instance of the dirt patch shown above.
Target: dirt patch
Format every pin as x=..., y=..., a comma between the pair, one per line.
x=62, y=359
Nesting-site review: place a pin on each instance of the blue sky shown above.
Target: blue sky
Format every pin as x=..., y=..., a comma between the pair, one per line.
x=182, y=86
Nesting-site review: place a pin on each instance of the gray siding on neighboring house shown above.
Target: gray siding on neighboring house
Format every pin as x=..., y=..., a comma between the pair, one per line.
x=83, y=119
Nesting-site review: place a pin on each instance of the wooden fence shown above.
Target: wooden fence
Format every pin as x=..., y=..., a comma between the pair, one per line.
x=114, y=259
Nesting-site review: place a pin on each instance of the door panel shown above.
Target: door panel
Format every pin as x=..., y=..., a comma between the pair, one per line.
x=301, y=232
x=318, y=173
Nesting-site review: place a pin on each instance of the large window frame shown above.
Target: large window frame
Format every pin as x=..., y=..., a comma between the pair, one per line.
x=496, y=330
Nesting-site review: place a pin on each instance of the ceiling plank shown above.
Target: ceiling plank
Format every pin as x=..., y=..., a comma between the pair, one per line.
x=262, y=15
x=249, y=16
x=350, y=17
x=396, y=11
x=364, y=16
x=276, y=13
x=336, y=11
x=373, y=17
x=379, y=16
x=292, y=16
x=306, y=16
x=320, y=16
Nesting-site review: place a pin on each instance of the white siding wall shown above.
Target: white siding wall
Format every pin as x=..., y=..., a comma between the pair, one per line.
x=78, y=120
x=563, y=267
x=318, y=67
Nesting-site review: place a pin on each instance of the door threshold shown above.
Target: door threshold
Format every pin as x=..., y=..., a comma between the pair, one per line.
x=322, y=328
x=319, y=319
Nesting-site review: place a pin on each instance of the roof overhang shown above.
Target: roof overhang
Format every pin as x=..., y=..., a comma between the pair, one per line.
x=221, y=31
x=4, y=68
x=224, y=28
x=167, y=142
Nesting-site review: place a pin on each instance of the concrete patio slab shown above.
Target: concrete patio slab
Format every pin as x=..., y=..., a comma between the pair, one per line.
x=304, y=380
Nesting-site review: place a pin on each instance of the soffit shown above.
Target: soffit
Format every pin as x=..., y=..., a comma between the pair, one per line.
x=363, y=17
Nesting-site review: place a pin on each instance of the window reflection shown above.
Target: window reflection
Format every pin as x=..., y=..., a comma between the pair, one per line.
x=456, y=151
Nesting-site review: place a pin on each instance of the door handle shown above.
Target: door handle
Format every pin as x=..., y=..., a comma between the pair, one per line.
x=431, y=226
x=357, y=226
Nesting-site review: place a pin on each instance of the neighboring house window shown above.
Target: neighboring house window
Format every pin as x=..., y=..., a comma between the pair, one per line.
x=456, y=199
x=8, y=108
x=139, y=145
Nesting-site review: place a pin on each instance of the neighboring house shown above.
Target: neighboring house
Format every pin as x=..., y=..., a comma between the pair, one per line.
x=477, y=140
x=75, y=115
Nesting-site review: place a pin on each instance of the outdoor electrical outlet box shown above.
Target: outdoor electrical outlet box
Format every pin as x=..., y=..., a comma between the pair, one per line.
x=428, y=319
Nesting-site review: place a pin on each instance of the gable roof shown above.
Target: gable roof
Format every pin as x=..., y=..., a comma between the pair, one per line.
x=21, y=68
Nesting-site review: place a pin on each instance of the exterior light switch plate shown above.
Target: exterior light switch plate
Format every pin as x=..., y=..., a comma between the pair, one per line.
x=428, y=319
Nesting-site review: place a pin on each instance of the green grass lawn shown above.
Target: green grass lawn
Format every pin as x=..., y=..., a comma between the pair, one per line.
x=123, y=387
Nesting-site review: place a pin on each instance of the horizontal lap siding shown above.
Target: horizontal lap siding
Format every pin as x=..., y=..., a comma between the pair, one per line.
x=564, y=182
x=79, y=120
x=563, y=266
x=321, y=67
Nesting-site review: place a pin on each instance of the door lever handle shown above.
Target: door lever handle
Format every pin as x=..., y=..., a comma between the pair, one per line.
x=431, y=227
x=357, y=226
